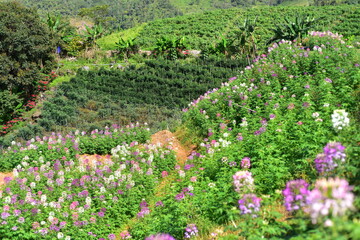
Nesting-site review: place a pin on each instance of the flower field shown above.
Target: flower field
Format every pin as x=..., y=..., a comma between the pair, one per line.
x=277, y=157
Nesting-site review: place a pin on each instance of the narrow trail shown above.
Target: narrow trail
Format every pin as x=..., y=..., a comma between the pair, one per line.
x=165, y=138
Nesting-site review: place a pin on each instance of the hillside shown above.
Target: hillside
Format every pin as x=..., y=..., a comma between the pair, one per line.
x=204, y=29
x=274, y=155
x=256, y=136
x=128, y=13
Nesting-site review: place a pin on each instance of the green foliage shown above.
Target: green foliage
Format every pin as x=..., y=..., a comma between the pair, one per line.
x=291, y=30
x=98, y=13
x=25, y=50
x=133, y=94
x=290, y=84
x=202, y=29
x=10, y=104
x=92, y=34
x=170, y=48
x=126, y=48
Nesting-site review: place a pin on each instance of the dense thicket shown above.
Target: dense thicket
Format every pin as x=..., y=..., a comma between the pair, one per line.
x=25, y=51
x=124, y=13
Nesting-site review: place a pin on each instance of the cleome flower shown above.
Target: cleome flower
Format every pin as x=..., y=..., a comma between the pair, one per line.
x=243, y=181
x=331, y=198
x=295, y=194
x=340, y=119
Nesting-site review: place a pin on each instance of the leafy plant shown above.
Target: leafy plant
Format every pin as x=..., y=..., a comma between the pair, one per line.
x=127, y=48
x=170, y=48
x=293, y=29
x=92, y=34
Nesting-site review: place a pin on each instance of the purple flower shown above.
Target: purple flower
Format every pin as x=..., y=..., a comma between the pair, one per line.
x=101, y=214
x=159, y=204
x=328, y=160
x=249, y=204
x=328, y=80
x=160, y=236
x=243, y=181
x=5, y=215
x=14, y=228
x=111, y=236
x=21, y=220
x=245, y=163
x=331, y=197
x=295, y=194
x=190, y=230
x=43, y=231
x=180, y=196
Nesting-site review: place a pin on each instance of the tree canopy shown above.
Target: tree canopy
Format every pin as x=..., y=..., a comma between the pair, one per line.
x=25, y=51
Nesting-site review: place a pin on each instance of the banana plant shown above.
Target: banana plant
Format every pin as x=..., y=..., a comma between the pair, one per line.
x=93, y=33
x=293, y=29
x=127, y=48
x=171, y=48
x=224, y=46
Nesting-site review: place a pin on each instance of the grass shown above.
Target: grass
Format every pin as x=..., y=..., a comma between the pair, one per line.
x=109, y=42
x=57, y=81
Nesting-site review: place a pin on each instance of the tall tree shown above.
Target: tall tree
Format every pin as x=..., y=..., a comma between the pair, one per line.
x=25, y=51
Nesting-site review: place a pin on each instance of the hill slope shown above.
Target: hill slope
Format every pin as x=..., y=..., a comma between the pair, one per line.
x=204, y=29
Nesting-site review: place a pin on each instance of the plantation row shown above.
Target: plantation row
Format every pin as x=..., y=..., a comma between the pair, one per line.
x=203, y=30
x=157, y=89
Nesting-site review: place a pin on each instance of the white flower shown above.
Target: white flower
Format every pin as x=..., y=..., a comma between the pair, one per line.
x=43, y=198
x=60, y=235
x=88, y=200
x=315, y=115
x=340, y=119
x=15, y=173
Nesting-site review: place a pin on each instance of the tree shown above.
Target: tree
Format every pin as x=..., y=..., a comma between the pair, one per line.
x=25, y=51
x=99, y=13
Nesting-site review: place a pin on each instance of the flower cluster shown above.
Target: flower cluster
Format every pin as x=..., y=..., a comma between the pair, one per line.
x=340, y=119
x=160, y=236
x=331, y=197
x=245, y=163
x=125, y=235
x=191, y=230
x=243, y=181
x=54, y=198
x=329, y=159
x=295, y=194
x=249, y=204
x=144, y=210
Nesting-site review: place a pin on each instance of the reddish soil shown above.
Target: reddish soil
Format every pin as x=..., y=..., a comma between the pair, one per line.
x=4, y=175
x=165, y=138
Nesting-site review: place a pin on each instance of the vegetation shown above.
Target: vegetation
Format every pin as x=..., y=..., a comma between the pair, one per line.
x=203, y=29
x=273, y=131
x=290, y=115
x=26, y=50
